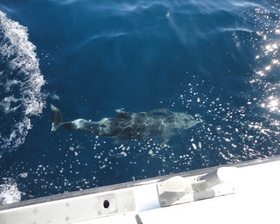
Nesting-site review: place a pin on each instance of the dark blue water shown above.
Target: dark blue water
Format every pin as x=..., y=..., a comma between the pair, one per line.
x=214, y=59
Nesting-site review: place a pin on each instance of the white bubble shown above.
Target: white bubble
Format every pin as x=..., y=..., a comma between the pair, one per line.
x=123, y=153
x=23, y=175
x=194, y=146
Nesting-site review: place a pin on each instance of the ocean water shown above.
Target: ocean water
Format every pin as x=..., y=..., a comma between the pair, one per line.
x=217, y=60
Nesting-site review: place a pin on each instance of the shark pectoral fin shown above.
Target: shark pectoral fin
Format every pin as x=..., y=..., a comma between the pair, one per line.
x=167, y=134
x=56, y=118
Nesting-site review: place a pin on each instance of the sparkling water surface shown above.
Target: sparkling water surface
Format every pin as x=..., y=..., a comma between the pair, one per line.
x=217, y=60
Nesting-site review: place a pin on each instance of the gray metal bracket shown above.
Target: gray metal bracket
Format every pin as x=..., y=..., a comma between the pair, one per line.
x=177, y=190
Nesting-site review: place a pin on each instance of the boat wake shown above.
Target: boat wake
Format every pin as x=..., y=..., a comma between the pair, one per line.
x=9, y=192
x=20, y=84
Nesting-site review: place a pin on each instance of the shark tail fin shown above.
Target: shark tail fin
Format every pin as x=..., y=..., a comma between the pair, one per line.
x=56, y=118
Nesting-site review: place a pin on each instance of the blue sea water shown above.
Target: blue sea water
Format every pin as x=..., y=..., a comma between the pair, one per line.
x=218, y=60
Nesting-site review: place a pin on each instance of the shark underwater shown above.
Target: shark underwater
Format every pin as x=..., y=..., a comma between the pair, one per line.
x=131, y=125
